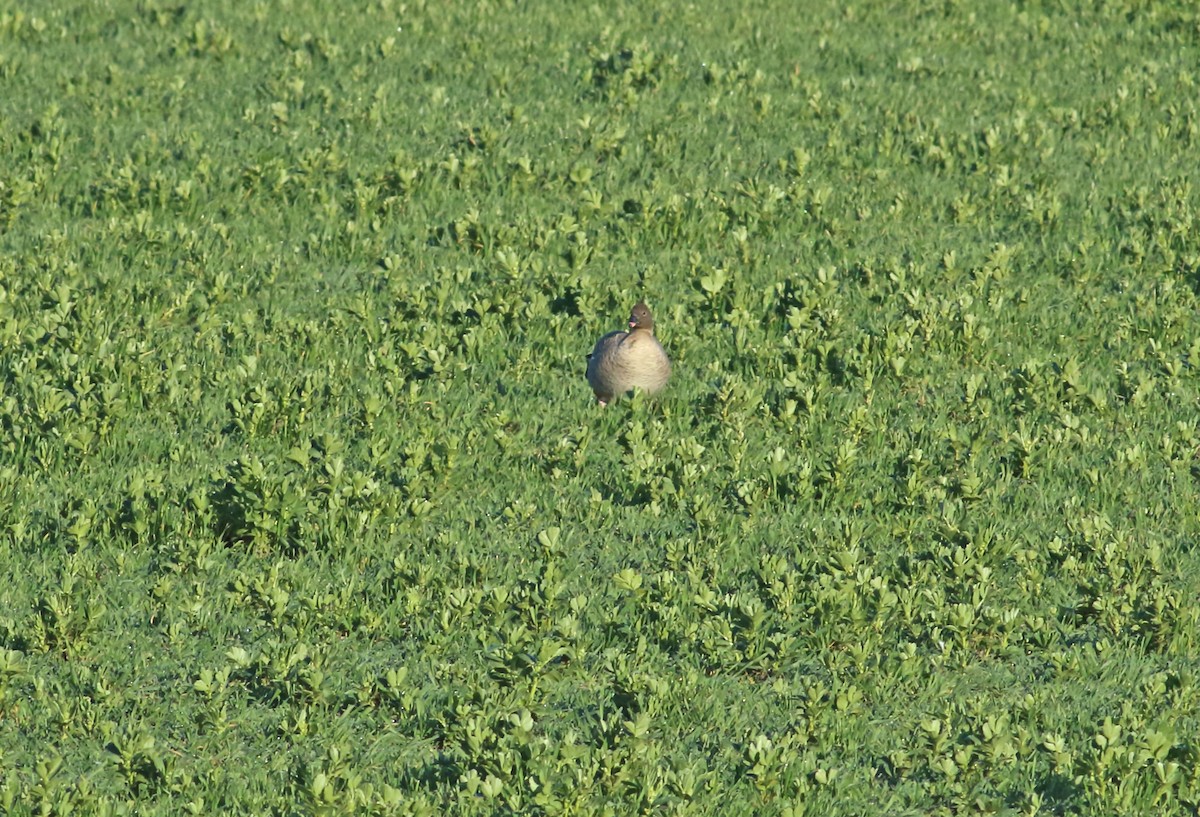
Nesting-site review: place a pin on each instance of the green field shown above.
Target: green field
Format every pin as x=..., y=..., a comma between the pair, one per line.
x=306, y=506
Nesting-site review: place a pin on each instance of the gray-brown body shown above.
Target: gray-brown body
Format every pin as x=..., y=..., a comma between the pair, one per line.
x=623, y=361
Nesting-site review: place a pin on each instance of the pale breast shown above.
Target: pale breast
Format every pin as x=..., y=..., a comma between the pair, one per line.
x=623, y=361
x=645, y=362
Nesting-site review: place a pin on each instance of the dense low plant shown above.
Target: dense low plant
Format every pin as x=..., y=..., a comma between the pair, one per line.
x=306, y=506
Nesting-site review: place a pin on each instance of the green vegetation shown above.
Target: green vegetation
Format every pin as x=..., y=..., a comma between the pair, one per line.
x=306, y=506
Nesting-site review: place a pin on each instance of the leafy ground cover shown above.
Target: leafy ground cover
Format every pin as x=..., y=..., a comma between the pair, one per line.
x=305, y=506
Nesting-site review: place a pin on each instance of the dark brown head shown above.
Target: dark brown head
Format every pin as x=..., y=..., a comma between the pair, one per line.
x=641, y=318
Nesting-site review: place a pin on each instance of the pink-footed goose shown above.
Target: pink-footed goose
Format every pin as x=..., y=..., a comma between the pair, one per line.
x=623, y=361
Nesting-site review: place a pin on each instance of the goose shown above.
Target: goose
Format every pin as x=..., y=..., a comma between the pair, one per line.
x=623, y=361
